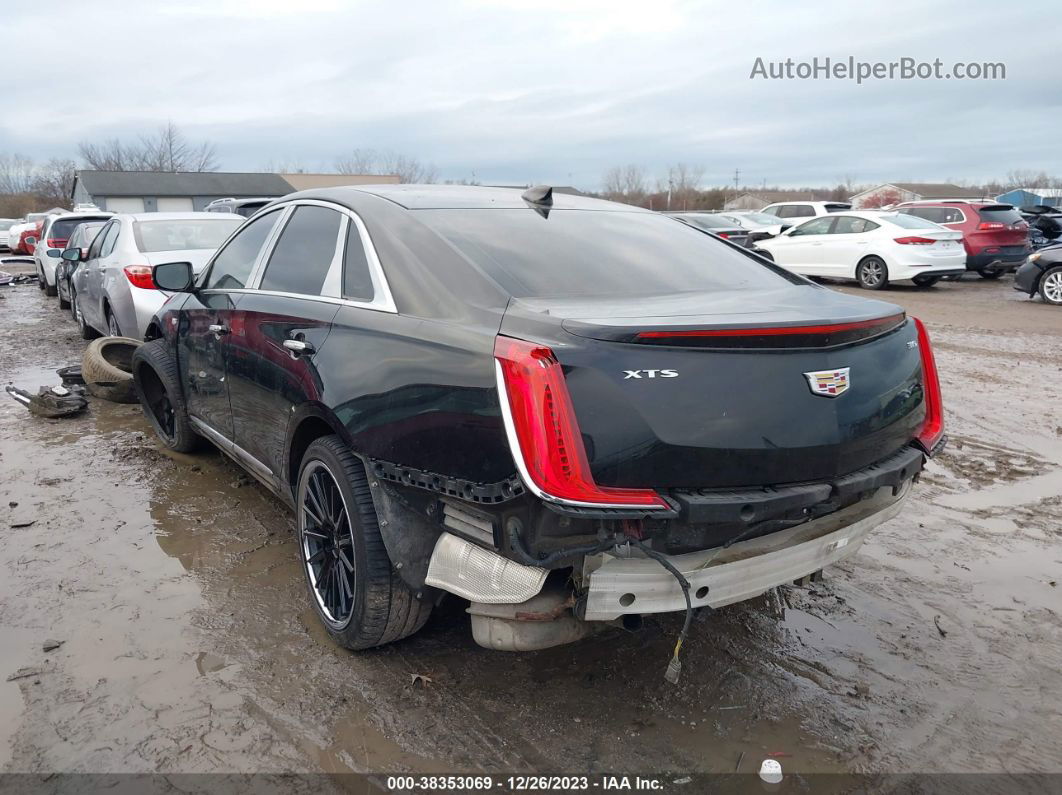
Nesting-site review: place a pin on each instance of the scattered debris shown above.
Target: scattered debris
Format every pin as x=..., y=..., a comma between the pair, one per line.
x=940, y=629
x=71, y=376
x=19, y=523
x=50, y=401
x=424, y=679
x=52, y=645
x=26, y=673
x=741, y=758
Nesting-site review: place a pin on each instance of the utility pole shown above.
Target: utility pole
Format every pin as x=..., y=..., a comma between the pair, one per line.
x=737, y=177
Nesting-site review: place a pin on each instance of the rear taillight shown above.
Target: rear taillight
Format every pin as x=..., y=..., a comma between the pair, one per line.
x=544, y=435
x=723, y=235
x=933, y=426
x=986, y=226
x=54, y=242
x=915, y=241
x=140, y=276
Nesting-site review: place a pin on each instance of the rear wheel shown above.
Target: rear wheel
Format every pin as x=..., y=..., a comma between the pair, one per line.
x=112, y=324
x=990, y=274
x=157, y=383
x=1051, y=286
x=355, y=589
x=926, y=281
x=872, y=273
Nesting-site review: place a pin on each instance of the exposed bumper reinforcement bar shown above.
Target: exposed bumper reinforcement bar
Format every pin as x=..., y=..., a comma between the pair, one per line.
x=620, y=586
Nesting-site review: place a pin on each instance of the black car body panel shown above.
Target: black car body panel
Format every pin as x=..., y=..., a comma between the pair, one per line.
x=415, y=388
x=1027, y=277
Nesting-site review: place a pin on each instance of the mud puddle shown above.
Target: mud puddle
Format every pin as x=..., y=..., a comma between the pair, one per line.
x=189, y=644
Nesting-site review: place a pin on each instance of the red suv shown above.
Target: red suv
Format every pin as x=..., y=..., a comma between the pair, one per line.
x=995, y=235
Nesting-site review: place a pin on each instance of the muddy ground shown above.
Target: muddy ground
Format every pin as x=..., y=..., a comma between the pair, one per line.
x=188, y=642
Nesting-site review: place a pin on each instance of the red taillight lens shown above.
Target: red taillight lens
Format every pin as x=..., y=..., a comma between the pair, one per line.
x=544, y=434
x=140, y=276
x=724, y=235
x=916, y=241
x=985, y=226
x=54, y=242
x=933, y=427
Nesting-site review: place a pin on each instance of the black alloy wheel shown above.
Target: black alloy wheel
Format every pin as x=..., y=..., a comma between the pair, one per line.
x=327, y=543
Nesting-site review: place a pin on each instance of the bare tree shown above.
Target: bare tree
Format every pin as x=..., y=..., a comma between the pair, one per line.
x=374, y=161
x=54, y=182
x=626, y=184
x=682, y=184
x=16, y=174
x=166, y=150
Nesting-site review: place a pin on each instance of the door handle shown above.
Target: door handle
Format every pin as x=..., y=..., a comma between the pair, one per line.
x=298, y=347
x=218, y=329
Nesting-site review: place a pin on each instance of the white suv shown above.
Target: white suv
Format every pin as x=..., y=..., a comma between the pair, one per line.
x=801, y=210
x=54, y=235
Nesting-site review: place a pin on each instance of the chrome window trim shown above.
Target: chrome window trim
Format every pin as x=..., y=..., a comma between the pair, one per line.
x=382, y=301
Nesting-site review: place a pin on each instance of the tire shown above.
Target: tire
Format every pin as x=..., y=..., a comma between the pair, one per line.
x=379, y=608
x=64, y=303
x=42, y=283
x=113, y=329
x=990, y=275
x=87, y=332
x=107, y=367
x=157, y=381
x=926, y=281
x=1051, y=286
x=872, y=273
x=49, y=289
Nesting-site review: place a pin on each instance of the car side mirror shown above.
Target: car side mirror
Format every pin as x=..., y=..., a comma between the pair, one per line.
x=69, y=254
x=177, y=277
x=54, y=253
x=31, y=241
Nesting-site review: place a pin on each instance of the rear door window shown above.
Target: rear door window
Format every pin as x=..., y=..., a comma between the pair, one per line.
x=304, y=253
x=850, y=225
x=234, y=263
x=933, y=214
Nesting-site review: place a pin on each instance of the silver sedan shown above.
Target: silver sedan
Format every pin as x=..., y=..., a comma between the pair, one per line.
x=112, y=290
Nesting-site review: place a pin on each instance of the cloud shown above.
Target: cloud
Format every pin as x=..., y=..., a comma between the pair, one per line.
x=521, y=90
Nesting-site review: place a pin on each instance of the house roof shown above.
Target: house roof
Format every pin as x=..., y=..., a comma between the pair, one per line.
x=161, y=183
x=772, y=196
x=928, y=190
x=310, y=181
x=939, y=190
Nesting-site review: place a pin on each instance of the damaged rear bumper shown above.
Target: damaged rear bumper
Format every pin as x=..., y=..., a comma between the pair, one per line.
x=618, y=586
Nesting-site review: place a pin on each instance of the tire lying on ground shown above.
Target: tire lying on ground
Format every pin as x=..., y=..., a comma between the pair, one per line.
x=107, y=368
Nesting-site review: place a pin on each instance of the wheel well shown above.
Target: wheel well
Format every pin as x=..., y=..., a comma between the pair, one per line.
x=153, y=332
x=309, y=430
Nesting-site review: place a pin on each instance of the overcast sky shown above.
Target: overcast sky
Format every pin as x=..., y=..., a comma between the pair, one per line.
x=541, y=90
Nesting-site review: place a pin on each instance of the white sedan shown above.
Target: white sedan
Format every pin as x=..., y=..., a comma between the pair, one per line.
x=873, y=248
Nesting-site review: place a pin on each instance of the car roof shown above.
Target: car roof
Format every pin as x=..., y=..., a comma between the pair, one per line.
x=425, y=197
x=190, y=216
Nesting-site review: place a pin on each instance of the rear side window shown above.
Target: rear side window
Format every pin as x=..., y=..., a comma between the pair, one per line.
x=97, y=243
x=1000, y=213
x=934, y=214
x=588, y=253
x=233, y=264
x=357, y=282
x=304, y=253
x=63, y=228
x=795, y=211
x=850, y=225
x=837, y=208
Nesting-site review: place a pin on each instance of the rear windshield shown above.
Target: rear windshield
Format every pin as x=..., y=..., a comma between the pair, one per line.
x=193, y=233
x=583, y=253
x=1000, y=213
x=62, y=228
